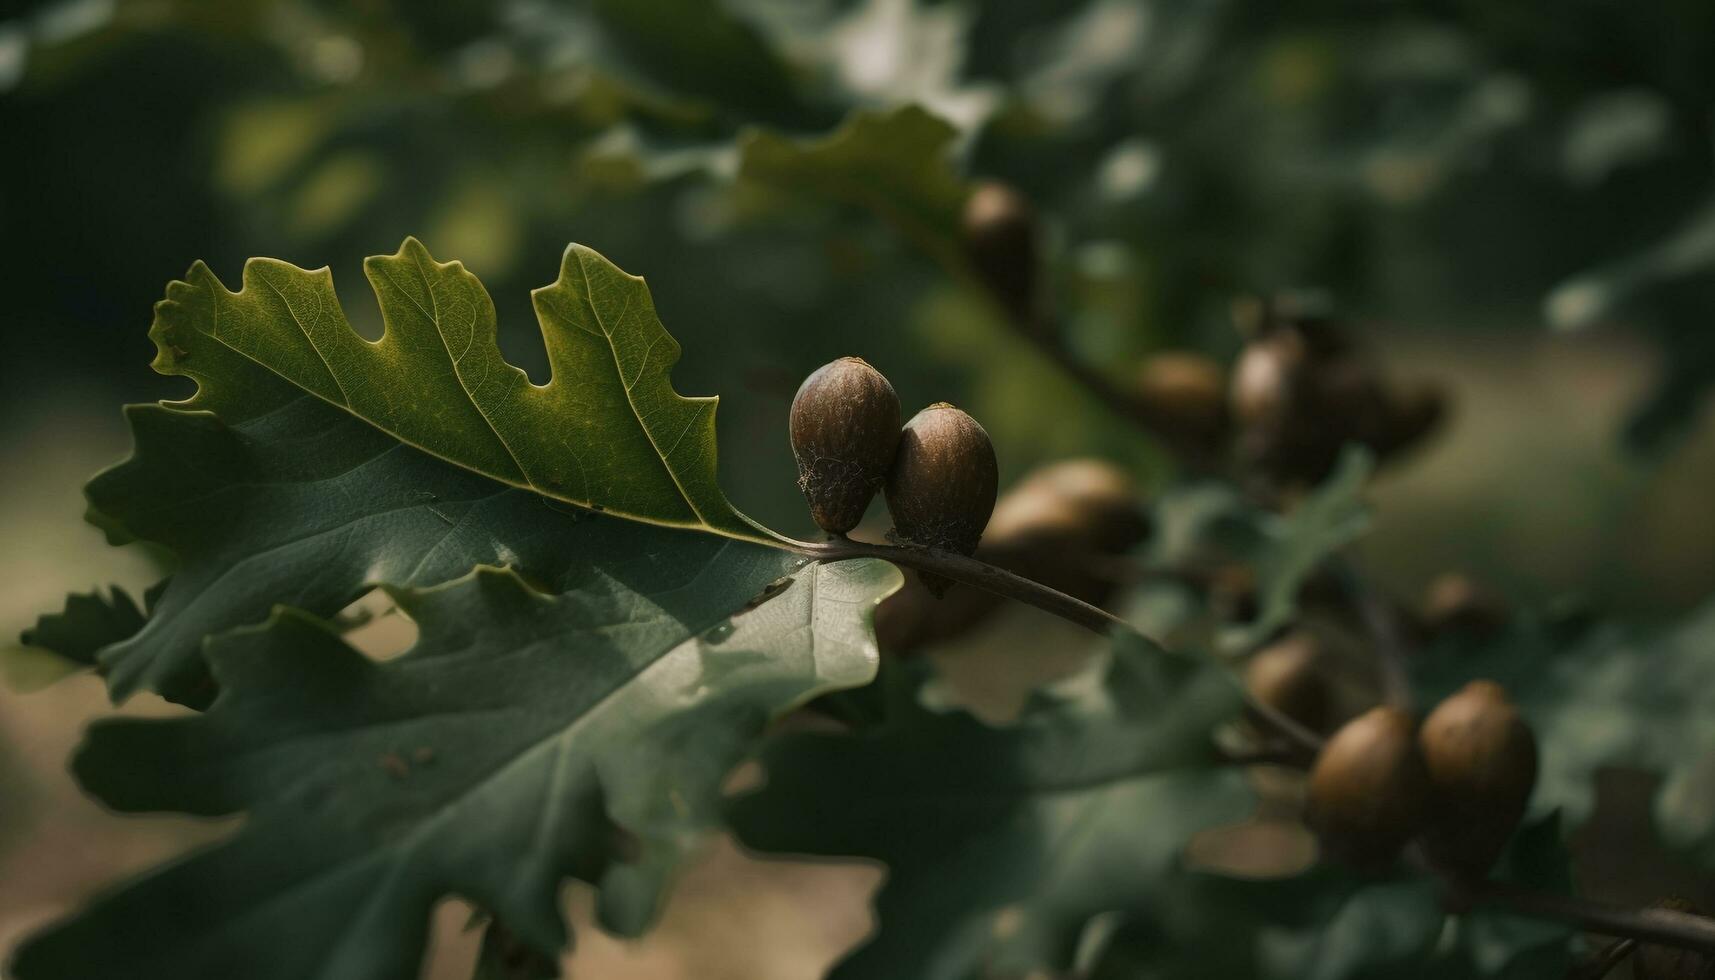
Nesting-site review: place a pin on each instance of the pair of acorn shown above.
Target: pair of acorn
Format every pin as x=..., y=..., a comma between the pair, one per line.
x=938, y=471
x=1460, y=781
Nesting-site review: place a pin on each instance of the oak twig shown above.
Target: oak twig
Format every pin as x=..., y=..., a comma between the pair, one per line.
x=1602, y=962
x=1391, y=654
x=970, y=571
x=1664, y=927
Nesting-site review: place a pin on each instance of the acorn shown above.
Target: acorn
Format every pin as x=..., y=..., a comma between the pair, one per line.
x=1055, y=526
x=1368, y=789
x=1481, y=759
x=1287, y=676
x=1270, y=379
x=1002, y=242
x=845, y=429
x=941, y=489
x=1413, y=414
x=1654, y=962
x=1074, y=505
x=1184, y=394
x=1456, y=604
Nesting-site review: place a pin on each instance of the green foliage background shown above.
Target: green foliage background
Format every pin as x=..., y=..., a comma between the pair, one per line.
x=1478, y=182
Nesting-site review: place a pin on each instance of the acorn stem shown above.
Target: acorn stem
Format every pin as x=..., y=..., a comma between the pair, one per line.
x=1604, y=961
x=972, y=572
x=1012, y=586
x=1045, y=333
x=1392, y=657
x=1303, y=737
x=1664, y=927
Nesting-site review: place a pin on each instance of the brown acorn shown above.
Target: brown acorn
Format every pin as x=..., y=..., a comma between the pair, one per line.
x=941, y=489
x=1001, y=239
x=1270, y=379
x=1054, y=526
x=1184, y=395
x=1287, y=676
x=1414, y=412
x=1653, y=962
x=1456, y=604
x=845, y=430
x=1481, y=759
x=1368, y=788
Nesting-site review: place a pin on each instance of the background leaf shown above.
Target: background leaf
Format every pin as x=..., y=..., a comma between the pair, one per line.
x=1076, y=809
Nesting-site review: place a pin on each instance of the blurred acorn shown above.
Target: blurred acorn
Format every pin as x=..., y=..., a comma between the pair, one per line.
x=1057, y=525
x=1271, y=380
x=1301, y=390
x=1454, y=604
x=1368, y=789
x=1183, y=395
x=941, y=489
x=1287, y=676
x=1655, y=962
x=845, y=432
x=1481, y=759
x=1413, y=414
x=1002, y=241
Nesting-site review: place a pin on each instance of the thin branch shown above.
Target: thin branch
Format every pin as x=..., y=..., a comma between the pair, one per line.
x=1391, y=653
x=972, y=572
x=1013, y=586
x=1298, y=734
x=1603, y=961
x=1663, y=927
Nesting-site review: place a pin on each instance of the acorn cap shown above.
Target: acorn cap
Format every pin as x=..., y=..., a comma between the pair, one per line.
x=1368, y=788
x=1287, y=676
x=1481, y=758
x=941, y=489
x=845, y=429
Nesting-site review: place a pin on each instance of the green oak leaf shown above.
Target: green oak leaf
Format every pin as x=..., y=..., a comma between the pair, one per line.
x=1291, y=547
x=1324, y=924
x=898, y=164
x=62, y=643
x=1608, y=695
x=523, y=739
x=1205, y=524
x=1034, y=828
x=89, y=622
x=271, y=485
x=1329, y=923
x=607, y=431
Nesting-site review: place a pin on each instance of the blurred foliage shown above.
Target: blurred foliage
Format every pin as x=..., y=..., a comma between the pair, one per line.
x=1440, y=162
x=788, y=174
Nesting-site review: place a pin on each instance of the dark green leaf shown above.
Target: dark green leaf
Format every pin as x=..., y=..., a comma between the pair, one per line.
x=1329, y=923
x=1079, y=807
x=62, y=643
x=289, y=494
x=897, y=164
x=524, y=738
